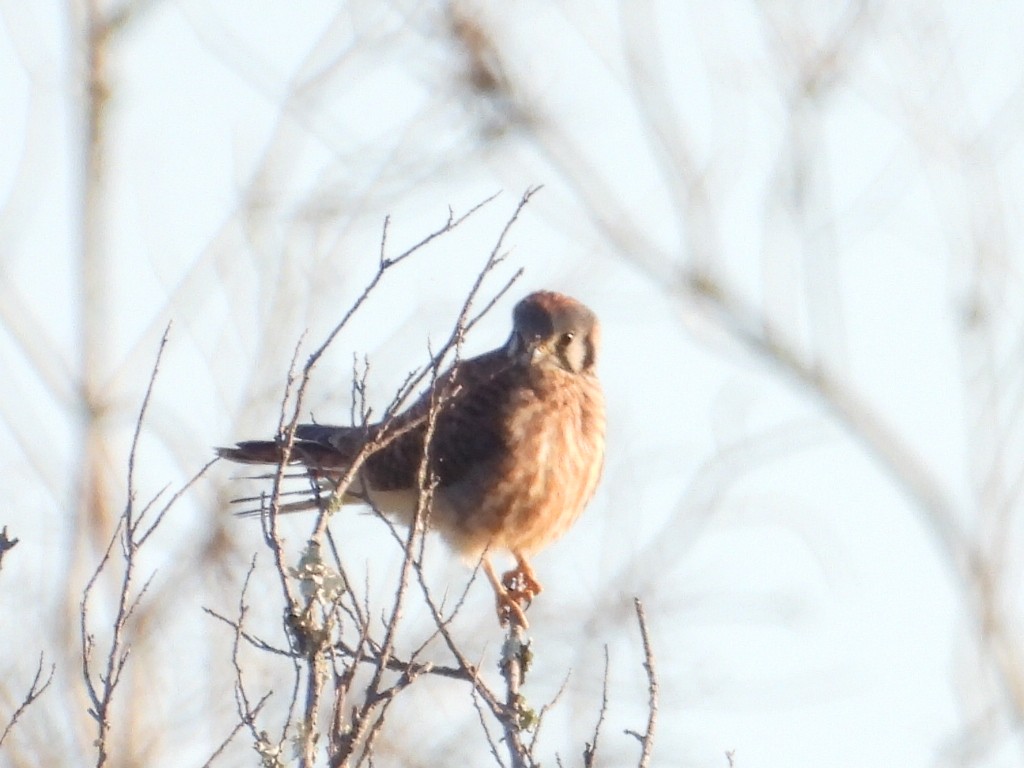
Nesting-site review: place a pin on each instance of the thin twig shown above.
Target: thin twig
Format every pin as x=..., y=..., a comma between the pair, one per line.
x=269, y=519
x=590, y=750
x=234, y=731
x=133, y=451
x=246, y=712
x=491, y=744
x=102, y=696
x=647, y=738
x=35, y=690
x=361, y=719
x=386, y=263
x=412, y=556
x=171, y=502
x=544, y=711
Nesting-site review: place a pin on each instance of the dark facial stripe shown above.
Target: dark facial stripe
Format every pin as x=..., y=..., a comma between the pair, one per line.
x=588, y=358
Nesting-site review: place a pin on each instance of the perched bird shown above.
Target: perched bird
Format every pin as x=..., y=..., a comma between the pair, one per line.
x=515, y=455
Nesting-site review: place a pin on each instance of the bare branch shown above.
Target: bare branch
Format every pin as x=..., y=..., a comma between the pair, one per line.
x=517, y=716
x=647, y=738
x=544, y=711
x=385, y=264
x=171, y=502
x=102, y=686
x=35, y=690
x=129, y=522
x=481, y=717
x=590, y=750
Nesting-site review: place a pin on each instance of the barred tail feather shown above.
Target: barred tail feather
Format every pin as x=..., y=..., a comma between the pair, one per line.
x=313, y=502
x=310, y=454
x=318, y=493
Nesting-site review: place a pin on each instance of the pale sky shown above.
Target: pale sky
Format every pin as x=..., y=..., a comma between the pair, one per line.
x=803, y=611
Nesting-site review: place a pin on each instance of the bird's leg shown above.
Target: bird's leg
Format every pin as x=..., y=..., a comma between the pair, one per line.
x=521, y=581
x=507, y=601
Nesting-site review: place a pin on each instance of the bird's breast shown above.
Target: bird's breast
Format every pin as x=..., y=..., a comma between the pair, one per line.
x=555, y=455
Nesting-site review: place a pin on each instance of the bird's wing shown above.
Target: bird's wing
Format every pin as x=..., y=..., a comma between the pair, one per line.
x=468, y=431
x=467, y=426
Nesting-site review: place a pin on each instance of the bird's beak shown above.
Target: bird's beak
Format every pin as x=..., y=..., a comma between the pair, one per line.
x=529, y=350
x=536, y=349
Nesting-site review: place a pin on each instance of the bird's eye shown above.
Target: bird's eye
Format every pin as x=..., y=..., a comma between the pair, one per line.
x=566, y=339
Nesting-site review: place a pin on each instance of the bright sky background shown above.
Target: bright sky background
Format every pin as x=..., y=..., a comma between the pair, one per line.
x=803, y=611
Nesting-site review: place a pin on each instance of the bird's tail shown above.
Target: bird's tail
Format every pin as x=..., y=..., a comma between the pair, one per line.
x=324, y=467
x=306, y=452
x=318, y=494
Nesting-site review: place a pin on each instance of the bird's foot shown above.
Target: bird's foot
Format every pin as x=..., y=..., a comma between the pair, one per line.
x=513, y=592
x=510, y=610
x=522, y=584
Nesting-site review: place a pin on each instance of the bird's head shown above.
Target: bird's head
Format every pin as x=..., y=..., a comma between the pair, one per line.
x=551, y=329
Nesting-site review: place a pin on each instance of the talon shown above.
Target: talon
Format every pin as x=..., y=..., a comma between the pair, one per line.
x=522, y=582
x=509, y=610
x=509, y=592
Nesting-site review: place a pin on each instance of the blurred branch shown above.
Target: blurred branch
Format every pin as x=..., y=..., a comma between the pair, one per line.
x=19, y=318
x=130, y=12
x=727, y=310
x=694, y=277
x=667, y=134
x=967, y=561
x=90, y=521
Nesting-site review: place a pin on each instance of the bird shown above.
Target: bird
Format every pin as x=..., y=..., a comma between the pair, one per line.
x=516, y=448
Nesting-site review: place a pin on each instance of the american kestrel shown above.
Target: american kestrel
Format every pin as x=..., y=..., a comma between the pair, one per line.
x=516, y=452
